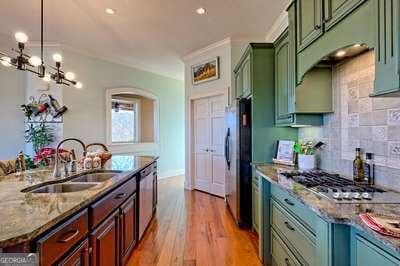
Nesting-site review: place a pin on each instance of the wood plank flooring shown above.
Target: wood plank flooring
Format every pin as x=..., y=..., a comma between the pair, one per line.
x=193, y=228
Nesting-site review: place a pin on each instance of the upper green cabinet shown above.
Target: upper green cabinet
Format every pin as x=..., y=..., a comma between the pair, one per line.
x=297, y=105
x=387, y=57
x=335, y=10
x=325, y=26
x=282, y=114
x=239, y=83
x=309, y=22
x=243, y=78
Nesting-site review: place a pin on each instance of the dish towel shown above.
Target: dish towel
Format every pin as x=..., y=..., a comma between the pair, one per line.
x=386, y=225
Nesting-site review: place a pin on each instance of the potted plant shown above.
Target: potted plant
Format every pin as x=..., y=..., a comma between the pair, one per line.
x=306, y=155
x=40, y=135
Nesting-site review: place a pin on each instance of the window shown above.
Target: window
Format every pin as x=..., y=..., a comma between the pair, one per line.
x=124, y=120
x=131, y=120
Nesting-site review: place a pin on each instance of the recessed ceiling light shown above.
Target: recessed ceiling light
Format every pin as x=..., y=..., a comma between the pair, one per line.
x=340, y=53
x=110, y=11
x=201, y=11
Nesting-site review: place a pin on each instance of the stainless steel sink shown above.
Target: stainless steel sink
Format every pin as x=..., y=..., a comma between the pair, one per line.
x=62, y=188
x=94, y=177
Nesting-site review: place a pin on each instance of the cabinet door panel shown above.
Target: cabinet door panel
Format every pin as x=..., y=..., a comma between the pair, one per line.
x=128, y=220
x=309, y=22
x=239, y=83
x=367, y=254
x=256, y=206
x=104, y=242
x=247, y=77
x=282, y=81
x=387, y=56
x=336, y=10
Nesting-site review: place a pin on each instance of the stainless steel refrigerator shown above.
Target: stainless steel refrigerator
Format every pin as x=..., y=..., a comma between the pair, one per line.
x=238, y=158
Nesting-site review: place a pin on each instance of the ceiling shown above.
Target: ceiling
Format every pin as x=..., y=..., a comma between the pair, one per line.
x=149, y=34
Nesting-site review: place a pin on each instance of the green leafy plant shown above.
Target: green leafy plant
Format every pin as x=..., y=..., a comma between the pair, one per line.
x=30, y=164
x=39, y=135
x=306, y=148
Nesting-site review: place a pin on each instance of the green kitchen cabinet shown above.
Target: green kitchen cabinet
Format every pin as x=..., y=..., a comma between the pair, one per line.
x=309, y=22
x=336, y=10
x=301, y=105
x=243, y=77
x=246, y=73
x=260, y=57
x=239, y=84
x=367, y=252
x=256, y=204
x=282, y=83
x=387, y=55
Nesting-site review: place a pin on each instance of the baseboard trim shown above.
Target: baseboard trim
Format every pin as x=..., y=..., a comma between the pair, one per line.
x=170, y=173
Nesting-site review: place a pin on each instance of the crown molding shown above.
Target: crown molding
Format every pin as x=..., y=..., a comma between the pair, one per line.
x=279, y=26
x=206, y=49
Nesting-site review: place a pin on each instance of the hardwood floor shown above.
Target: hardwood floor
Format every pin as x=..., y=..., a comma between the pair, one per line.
x=193, y=228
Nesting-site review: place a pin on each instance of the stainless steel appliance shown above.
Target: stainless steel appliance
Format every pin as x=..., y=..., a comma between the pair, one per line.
x=340, y=189
x=146, y=190
x=238, y=158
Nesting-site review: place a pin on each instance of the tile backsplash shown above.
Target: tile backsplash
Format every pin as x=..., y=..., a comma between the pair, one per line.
x=373, y=124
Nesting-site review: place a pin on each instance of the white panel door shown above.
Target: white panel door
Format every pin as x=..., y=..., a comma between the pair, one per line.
x=209, y=129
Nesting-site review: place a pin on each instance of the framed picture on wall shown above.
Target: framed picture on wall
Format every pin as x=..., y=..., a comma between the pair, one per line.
x=205, y=71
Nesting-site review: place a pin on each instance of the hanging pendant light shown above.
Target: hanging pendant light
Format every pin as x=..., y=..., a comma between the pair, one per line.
x=35, y=64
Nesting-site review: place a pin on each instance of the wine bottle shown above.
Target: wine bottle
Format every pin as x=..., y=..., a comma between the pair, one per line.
x=358, y=167
x=369, y=169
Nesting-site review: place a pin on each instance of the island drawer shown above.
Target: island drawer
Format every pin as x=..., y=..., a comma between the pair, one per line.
x=301, y=212
x=57, y=242
x=105, y=206
x=297, y=235
x=281, y=254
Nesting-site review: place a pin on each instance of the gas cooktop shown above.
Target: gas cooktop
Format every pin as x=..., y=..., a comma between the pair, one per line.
x=340, y=189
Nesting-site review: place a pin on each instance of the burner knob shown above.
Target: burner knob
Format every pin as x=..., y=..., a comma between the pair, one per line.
x=337, y=195
x=347, y=195
x=366, y=196
x=356, y=196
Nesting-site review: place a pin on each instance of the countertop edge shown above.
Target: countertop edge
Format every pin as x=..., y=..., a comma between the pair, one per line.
x=358, y=225
x=20, y=239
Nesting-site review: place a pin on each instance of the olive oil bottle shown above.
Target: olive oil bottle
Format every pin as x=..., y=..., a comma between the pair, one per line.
x=358, y=167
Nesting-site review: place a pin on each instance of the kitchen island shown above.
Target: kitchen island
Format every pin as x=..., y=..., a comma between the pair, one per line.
x=98, y=224
x=302, y=227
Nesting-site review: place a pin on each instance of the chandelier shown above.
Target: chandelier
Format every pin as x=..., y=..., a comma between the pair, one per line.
x=35, y=64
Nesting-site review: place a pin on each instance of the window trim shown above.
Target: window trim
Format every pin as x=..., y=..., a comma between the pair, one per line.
x=121, y=147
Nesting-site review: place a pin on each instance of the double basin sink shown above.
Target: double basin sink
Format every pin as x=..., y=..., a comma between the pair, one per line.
x=74, y=184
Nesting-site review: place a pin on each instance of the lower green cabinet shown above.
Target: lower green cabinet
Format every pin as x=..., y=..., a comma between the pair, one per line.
x=256, y=204
x=295, y=235
x=366, y=252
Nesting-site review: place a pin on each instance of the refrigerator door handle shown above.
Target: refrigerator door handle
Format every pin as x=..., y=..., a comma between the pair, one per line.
x=227, y=149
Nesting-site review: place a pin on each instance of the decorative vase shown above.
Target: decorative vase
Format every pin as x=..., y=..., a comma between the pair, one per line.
x=307, y=162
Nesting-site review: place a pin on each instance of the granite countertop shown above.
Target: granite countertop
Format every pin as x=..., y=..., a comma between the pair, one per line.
x=25, y=216
x=327, y=209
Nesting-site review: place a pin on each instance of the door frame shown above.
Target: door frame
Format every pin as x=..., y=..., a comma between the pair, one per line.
x=189, y=179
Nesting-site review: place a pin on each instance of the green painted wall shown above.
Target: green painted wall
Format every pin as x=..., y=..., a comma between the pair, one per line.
x=87, y=120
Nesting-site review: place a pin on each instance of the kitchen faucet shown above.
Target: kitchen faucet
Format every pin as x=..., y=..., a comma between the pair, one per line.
x=57, y=172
